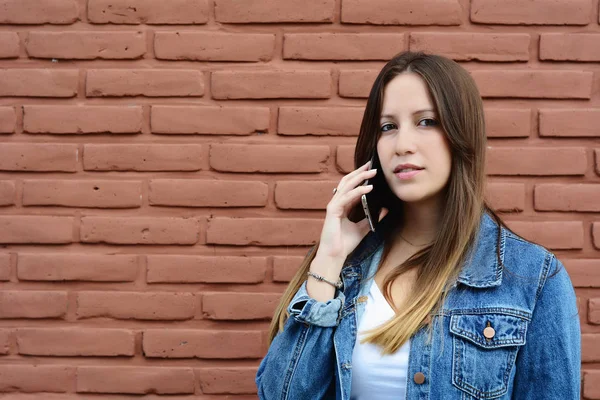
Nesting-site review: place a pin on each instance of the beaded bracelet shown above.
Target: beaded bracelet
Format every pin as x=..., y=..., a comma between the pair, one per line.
x=319, y=277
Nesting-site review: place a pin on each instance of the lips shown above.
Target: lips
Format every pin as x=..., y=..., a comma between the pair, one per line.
x=407, y=167
x=408, y=174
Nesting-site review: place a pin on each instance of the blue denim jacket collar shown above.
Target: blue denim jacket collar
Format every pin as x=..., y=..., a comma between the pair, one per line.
x=481, y=268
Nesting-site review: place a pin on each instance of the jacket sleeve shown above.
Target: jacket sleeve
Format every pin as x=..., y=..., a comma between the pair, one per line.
x=300, y=363
x=549, y=364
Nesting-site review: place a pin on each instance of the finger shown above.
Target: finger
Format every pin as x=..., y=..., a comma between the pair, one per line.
x=351, y=197
x=354, y=181
x=340, y=204
x=357, y=171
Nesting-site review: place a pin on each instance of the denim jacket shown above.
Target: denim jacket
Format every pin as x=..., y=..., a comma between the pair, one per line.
x=533, y=354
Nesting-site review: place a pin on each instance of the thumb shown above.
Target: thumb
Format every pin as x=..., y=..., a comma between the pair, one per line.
x=384, y=211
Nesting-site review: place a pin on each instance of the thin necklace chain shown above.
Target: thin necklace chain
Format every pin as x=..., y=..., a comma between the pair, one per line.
x=412, y=244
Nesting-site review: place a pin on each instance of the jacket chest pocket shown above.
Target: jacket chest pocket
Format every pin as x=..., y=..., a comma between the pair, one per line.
x=485, y=347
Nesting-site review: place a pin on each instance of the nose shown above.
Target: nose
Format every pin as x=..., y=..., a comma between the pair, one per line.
x=405, y=140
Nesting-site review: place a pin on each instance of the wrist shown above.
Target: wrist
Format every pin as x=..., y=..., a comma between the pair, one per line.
x=336, y=284
x=328, y=260
x=328, y=267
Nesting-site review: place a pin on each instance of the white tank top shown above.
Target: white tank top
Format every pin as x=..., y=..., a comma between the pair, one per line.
x=374, y=376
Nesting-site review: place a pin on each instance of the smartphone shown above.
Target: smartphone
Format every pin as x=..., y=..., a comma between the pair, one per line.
x=363, y=199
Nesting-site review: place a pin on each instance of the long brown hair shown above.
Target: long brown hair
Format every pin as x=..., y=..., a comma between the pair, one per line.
x=460, y=111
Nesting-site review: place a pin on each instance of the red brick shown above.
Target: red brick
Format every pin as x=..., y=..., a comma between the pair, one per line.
x=47, y=396
x=82, y=119
x=135, y=380
x=591, y=385
x=36, y=229
x=583, y=272
x=142, y=157
x=263, y=231
x=148, y=11
x=590, y=347
x=343, y=46
x=75, y=342
x=134, y=305
x=285, y=267
x=567, y=197
x=556, y=235
x=77, y=267
x=36, y=378
x=596, y=234
x=227, y=380
x=39, y=82
x=188, y=343
x=248, y=11
x=32, y=304
x=271, y=84
x=9, y=44
x=8, y=119
x=38, y=157
x=407, y=12
x=344, y=158
x=547, y=84
x=150, y=83
x=214, y=46
x=336, y=121
x=84, y=45
x=597, y=157
x=594, y=312
x=212, y=120
x=82, y=193
x=569, y=122
x=531, y=12
x=38, y=12
x=207, y=193
x=4, y=341
x=570, y=46
x=5, y=268
x=205, y=269
x=356, y=83
x=540, y=161
x=504, y=196
x=508, y=122
x=311, y=195
x=268, y=158
x=139, y=230
x=465, y=46
x=239, y=306
x=7, y=193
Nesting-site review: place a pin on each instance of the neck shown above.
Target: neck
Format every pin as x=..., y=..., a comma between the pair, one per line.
x=421, y=222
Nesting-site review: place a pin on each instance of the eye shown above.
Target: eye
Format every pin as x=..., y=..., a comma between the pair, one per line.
x=429, y=119
x=387, y=125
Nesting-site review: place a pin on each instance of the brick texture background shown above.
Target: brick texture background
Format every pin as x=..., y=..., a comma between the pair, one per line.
x=165, y=165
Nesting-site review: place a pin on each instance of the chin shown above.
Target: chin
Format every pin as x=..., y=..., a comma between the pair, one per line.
x=414, y=195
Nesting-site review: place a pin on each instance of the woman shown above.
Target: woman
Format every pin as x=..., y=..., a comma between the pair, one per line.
x=442, y=300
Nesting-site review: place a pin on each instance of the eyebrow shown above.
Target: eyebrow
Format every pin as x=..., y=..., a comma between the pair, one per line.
x=416, y=112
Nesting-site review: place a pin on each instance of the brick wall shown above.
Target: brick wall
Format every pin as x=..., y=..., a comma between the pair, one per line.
x=157, y=157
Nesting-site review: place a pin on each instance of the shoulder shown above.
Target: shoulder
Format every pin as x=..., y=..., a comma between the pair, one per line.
x=527, y=250
x=533, y=260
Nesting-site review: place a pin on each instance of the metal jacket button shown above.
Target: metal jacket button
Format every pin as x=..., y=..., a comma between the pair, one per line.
x=489, y=332
x=419, y=378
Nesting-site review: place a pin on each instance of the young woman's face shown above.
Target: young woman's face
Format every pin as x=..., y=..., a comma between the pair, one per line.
x=412, y=134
